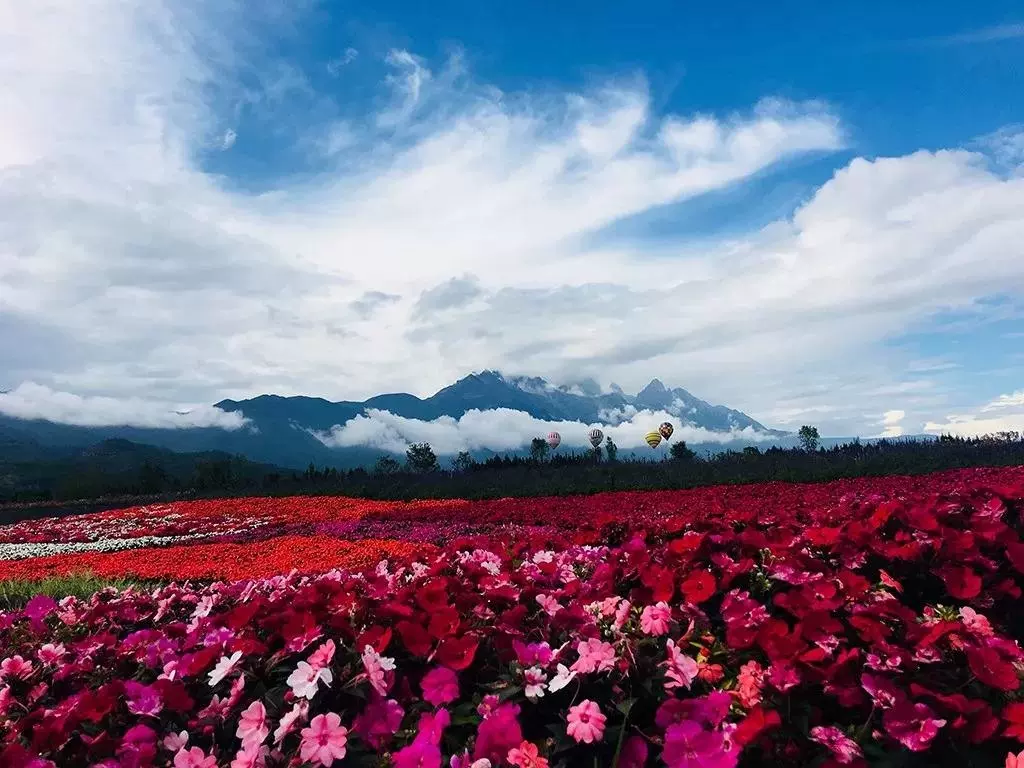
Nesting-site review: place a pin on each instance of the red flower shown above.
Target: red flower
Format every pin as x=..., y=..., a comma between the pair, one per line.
x=698, y=587
x=962, y=582
x=415, y=638
x=989, y=667
x=457, y=652
x=1013, y=714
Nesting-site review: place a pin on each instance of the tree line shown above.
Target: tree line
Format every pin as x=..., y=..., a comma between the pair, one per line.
x=543, y=472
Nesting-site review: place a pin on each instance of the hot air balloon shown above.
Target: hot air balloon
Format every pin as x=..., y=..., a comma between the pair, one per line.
x=554, y=440
x=596, y=436
x=666, y=430
x=653, y=439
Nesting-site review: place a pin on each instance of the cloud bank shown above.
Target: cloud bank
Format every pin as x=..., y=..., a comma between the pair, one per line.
x=1004, y=414
x=448, y=221
x=504, y=429
x=33, y=401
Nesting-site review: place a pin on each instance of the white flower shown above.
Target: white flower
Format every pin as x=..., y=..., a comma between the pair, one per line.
x=224, y=667
x=533, y=682
x=562, y=679
x=303, y=681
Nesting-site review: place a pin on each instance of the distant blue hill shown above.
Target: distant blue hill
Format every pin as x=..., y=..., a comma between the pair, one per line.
x=280, y=429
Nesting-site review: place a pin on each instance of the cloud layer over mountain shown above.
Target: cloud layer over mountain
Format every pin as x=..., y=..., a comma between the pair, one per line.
x=452, y=227
x=504, y=429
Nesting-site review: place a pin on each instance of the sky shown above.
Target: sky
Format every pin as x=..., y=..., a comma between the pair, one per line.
x=810, y=213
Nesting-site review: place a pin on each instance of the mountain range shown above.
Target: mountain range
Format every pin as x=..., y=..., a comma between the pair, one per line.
x=283, y=430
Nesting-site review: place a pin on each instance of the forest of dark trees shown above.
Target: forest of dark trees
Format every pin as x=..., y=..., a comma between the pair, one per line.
x=422, y=476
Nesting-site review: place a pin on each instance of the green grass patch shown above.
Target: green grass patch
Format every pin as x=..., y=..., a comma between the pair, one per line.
x=16, y=593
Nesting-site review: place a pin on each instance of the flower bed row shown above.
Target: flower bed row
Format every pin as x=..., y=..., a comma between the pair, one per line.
x=866, y=627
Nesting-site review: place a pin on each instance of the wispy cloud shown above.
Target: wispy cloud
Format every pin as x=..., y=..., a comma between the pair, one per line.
x=1004, y=414
x=995, y=33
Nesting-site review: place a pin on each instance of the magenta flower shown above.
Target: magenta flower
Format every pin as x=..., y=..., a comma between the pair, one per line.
x=194, y=758
x=655, y=619
x=595, y=656
x=586, y=722
x=882, y=690
x=913, y=725
x=498, y=733
x=379, y=721
x=322, y=656
x=324, y=740
x=419, y=754
x=688, y=745
x=142, y=699
x=252, y=725
x=844, y=749
x=440, y=686
x=634, y=753
x=534, y=654
x=680, y=668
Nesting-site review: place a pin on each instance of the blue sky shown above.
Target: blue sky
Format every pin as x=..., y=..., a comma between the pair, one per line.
x=807, y=211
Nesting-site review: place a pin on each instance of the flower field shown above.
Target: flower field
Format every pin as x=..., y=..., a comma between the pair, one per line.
x=861, y=622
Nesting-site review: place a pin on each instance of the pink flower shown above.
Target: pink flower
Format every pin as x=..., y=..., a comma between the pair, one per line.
x=749, y=684
x=586, y=723
x=324, y=740
x=976, y=622
x=16, y=668
x=322, y=656
x=377, y=667
x=1015, y=761
x=680, y=668
x=548, y=604
x=440, y=686
x=526, y=755
x=174, y=741
x=305, y=679
x=288, y=720
x=655, y=619
x=913, y=725
x=194, y=758
x=844, y=749
x=595, y=656
x=224, y=667
x=533, y=682
x=253, y=756
x=50, y=653
x=252, y=725
x=688, y=745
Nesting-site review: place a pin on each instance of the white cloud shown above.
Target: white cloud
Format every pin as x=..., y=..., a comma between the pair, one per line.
x=504, y=429
x=1013, y=400
x=334, y=66
x=228, y=140
x=33, y=401
x=146, y=274
x=892, y=423
x=1004, y=414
